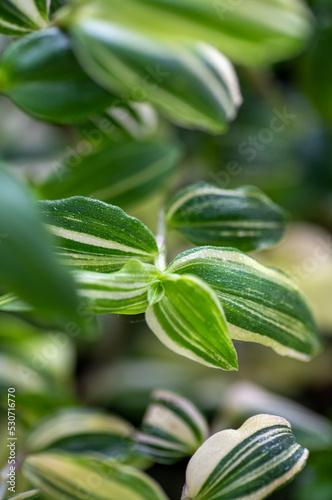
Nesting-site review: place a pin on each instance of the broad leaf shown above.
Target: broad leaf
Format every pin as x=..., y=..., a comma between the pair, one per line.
x=251, y=32
x=26, y=495
x=41, y=75
x=80, y=477
x=193, y=85
x=121, y=292
x=95, y=236
x=82, y=430
x=190, y=321
x=261, y=304
x=243, y=218
x=249, y=463
x=120, y=174
x=172, y=428
x=18, y=17
x=27, y=266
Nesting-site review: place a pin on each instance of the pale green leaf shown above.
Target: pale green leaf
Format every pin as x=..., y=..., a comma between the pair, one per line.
x=251, y=32
x=193, y=85
x=95, y=236
x=80, y=477
x=261, y=304
x=248, y=463
x=120, y=174
x=82, y=430
x=18, y=17
x=172, y=428
x=26, y=495
x=41, y=75
x=190, y=321
x=243, y=218
x=121, y=292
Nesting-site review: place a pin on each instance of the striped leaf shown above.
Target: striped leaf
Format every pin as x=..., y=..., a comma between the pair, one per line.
x=190, y=321
x=95, y=236
x=122, y=292
x=193, y=85
x=81, y=477
x=40, y=74
x=243, y=218
x=261, y=304
x=120, y=174
x=82, y=430
x=172, y=428
x=18, y=17
x=249, y=463
x=26, y=495
x=251, y=32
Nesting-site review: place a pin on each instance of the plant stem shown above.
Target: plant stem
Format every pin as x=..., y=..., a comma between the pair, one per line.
x=161, y=259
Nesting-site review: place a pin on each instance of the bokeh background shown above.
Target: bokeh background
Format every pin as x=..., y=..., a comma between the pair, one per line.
x=117, y=363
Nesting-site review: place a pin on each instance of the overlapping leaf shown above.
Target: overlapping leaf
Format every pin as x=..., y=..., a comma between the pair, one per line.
x=172, y=428
x=120, y=174
x=18, y=17
x=41, y=75
x=121, y=292
x=190, y=321
x=82, y=430
x=249, y=32
x=243, y=218
x=27, y=266
x=193, y=85
x=261, y=304
x=95, y=236
x=249, y=463
x=81, y=477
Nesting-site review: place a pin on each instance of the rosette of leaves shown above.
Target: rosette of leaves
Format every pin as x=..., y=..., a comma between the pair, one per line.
x=203, y=299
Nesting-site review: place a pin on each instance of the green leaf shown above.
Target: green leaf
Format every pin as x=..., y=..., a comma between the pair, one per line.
x=243, y=218
x=82, y=430
x=27, y=266
x=41, y=75
x=172, y=428
x=80, y=477
x=18, y=17
x=95, y=236
x=121, y=292
x=193, y=85
x=261, y=304
x=120, y=174
x=26, y=495
x=190, y=321
x=249, y=463
x=253, y=32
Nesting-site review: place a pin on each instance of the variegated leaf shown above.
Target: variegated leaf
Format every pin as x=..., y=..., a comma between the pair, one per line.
x=190, y=321
x=82, y=430
x=122, y=292
x=251, y=32
x=18, y=17
x=26, y=495
x=248, y=463
x=120, y=174
x=261, y=304
x=193, y=85
x=172, y=428
x=243, y=218
x=60, y=475
x=41, y=75
x=95, y=236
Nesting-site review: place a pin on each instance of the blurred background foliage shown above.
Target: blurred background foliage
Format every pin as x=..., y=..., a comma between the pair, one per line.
x=115, y=363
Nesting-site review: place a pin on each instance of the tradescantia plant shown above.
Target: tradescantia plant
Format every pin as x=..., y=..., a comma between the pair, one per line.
x=108, y=68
